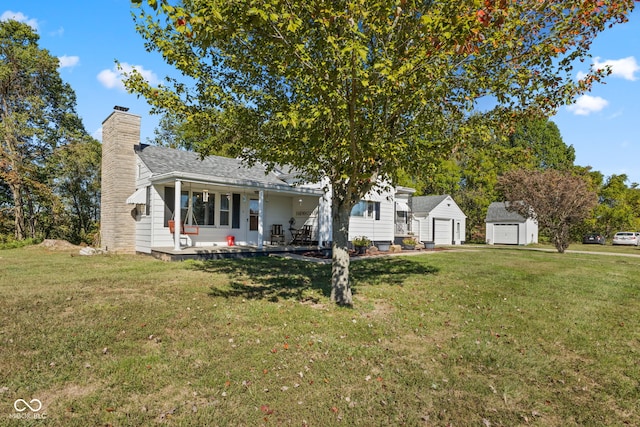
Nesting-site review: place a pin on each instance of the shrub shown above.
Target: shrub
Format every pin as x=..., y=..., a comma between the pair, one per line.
x=361, y=241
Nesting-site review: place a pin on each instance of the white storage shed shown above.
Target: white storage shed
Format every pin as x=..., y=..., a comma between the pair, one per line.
x=504, y=227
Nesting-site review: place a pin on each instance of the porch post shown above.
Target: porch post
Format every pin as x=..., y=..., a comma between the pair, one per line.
x=325, y=225
x=318, y=223
x=177, y=216
x=260, y=218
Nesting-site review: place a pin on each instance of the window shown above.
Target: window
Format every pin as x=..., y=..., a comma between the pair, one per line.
x=254, y=213
x=147, y=209
x=199, y=207
x=184, y=207
x=225, y=204
x=169, y=196
x=360, y=209
x=366, y=209
x=203, y=212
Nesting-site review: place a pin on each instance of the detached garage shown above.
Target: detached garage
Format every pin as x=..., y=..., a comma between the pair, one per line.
x=504, y=227
x=438, y=219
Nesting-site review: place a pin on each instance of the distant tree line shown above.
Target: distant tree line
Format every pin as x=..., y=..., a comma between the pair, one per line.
x=49, y=165
x=488, y=170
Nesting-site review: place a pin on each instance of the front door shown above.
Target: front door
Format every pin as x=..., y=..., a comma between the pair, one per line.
x=254, y=214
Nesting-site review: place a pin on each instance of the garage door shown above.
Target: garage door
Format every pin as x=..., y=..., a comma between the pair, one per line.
x=442, y=233
x=505, y=234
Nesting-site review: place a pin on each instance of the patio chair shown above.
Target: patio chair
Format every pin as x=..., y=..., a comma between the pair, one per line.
x=302, y=236
x=277, y=234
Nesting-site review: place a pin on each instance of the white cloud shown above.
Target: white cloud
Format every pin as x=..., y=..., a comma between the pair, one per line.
x=68, y=61
x=617, y=114
x=97, y=134
x=587, y=104
x=625, y=68
x=112, y=78
x=20, y=17
x=57, y=33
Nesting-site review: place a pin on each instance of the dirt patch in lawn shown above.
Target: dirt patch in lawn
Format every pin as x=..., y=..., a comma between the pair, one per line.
x=59, y=245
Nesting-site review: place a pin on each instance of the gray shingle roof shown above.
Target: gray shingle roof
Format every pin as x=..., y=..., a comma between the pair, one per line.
x=497, y=212
x=426, y=203
x=163, y=160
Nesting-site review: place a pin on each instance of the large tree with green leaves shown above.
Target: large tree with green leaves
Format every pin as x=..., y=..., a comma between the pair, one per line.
x=175, y=131
x=356, y=90
x=471, y=174
x=74, y=175
x=37, y=114
x=618, y=208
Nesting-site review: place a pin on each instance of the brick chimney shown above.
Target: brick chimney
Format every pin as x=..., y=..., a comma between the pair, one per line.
x=120, y=135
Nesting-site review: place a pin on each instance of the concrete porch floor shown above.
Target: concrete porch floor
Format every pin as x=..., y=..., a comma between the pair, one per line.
x=221, y=252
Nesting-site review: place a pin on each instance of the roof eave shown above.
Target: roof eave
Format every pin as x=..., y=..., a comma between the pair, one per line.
x=245, y=183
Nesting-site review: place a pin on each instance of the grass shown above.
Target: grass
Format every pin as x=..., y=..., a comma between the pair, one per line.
x=608, y=248
x=498, y=337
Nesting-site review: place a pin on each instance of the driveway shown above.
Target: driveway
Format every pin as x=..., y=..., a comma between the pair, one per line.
x=569, y=251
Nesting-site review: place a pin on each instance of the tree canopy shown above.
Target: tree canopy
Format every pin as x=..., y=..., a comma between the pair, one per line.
x=470, y=176
x=618, y=208
x=357, y=90
x=37, y=117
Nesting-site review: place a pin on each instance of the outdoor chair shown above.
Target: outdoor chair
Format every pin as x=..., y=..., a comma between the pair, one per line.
x=277, y=234
x=301, y=236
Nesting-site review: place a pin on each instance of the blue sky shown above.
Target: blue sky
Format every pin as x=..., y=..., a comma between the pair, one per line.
x=87, y=36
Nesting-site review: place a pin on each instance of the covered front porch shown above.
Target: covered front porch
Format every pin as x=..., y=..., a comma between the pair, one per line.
x=222, y=219
x=239, y=251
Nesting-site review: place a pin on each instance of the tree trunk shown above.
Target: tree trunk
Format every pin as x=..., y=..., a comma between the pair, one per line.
x=18, y=211
x=561, y=238
x=340, y=282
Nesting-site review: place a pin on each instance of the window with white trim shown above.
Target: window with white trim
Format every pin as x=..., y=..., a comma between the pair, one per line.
x=225, y=209
x=366, y=209
x=203, y=207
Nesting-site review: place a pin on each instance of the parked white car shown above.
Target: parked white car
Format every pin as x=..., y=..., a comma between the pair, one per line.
x=626, y=238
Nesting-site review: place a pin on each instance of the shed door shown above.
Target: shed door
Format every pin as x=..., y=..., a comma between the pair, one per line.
x=442, y=232
x=505, y=234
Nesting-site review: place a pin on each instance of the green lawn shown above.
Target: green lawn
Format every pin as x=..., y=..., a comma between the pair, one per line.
x=484, y=337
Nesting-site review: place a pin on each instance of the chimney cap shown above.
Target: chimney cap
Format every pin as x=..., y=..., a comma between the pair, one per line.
x=119, y=108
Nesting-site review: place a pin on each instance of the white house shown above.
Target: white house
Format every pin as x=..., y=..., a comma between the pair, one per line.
x=438, y=219
x=504, y=227
x=157, y=197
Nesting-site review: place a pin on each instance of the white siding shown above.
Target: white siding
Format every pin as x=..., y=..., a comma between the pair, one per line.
x=515, y=233
x=160, y=234
x=382, y=230
x=448, y=219
x=143, y=221
x=376, y=230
